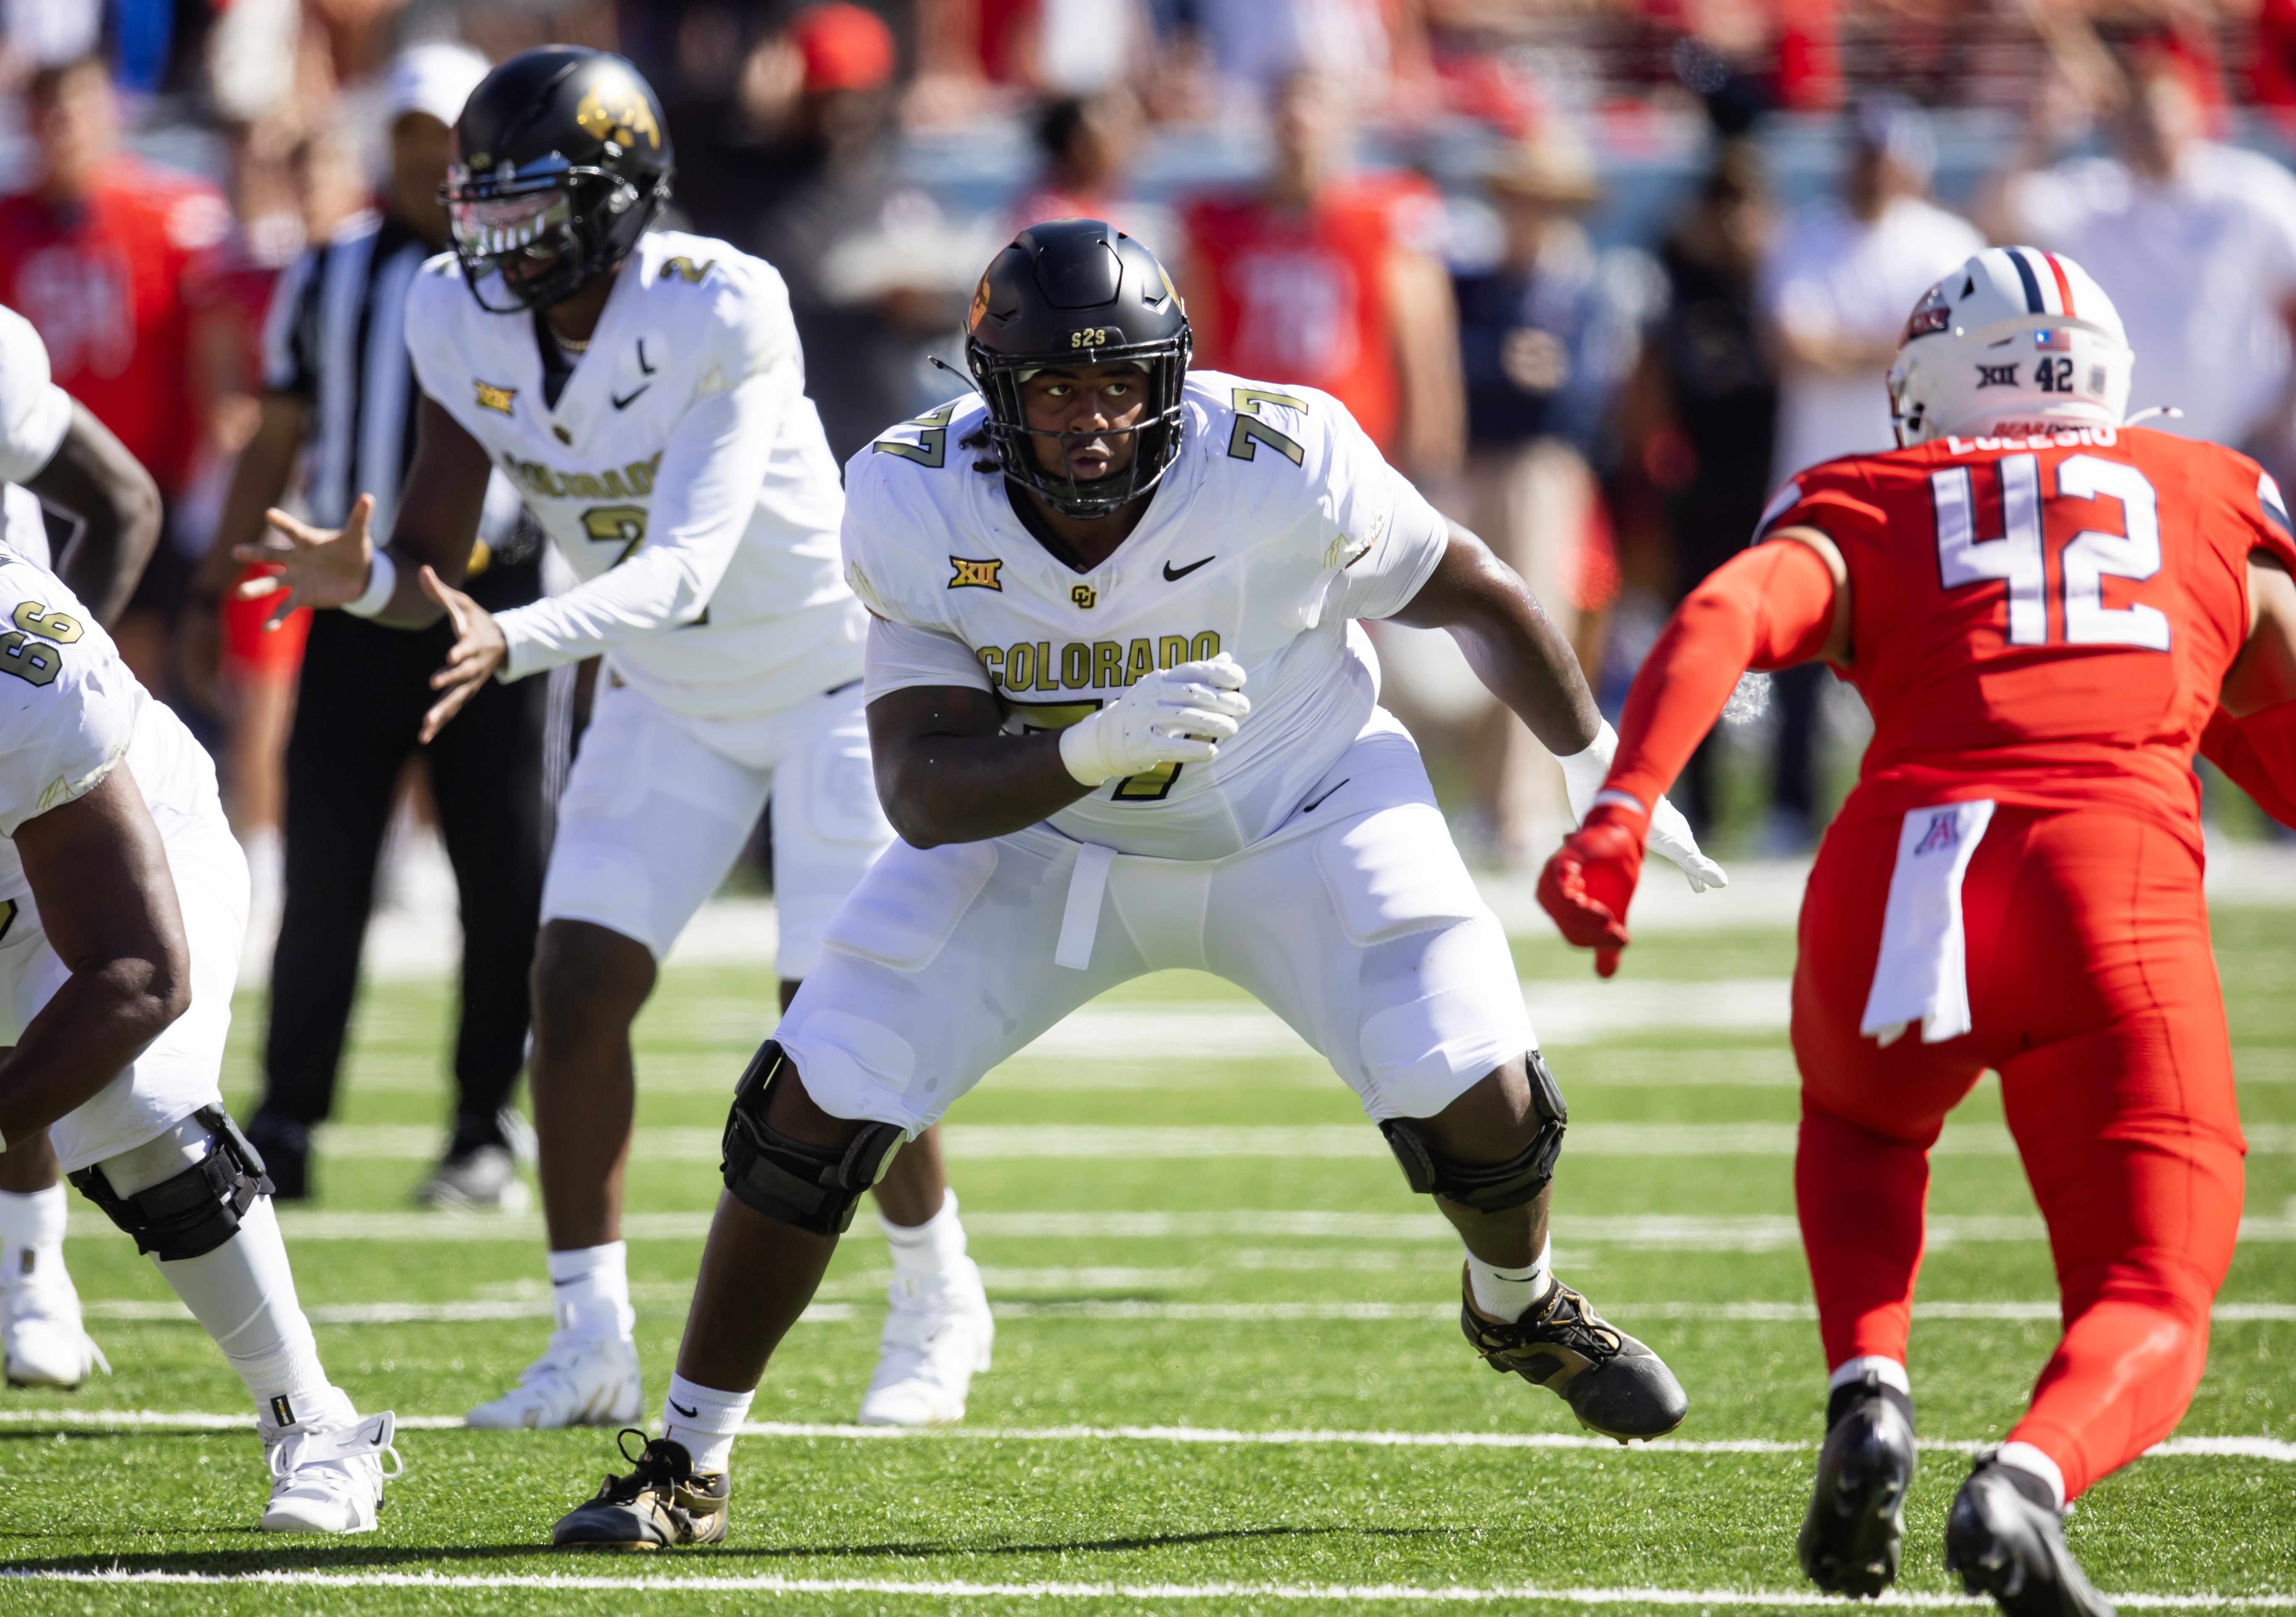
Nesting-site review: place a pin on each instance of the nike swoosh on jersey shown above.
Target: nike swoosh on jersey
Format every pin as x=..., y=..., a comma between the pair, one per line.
x=1173, y=575
x=643, y=365
x=624, y=404
x=1319, y=802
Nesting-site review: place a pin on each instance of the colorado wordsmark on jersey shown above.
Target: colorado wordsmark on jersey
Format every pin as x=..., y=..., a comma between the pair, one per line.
x=34, y=415
x=1277, y=525
x=753, y=614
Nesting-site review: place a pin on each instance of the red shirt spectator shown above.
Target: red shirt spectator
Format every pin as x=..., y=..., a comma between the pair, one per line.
x=106, y=257
x=1320, y=281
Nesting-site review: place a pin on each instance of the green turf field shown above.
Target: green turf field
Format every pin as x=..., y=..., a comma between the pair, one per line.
x=1259, y=1292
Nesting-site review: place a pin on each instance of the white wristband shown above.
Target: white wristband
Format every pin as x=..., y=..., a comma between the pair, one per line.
x=381, y=580
x=1081, y=754
x=1583, y=771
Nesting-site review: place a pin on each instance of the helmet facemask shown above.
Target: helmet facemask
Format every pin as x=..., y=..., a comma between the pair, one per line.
x=1156, y=436
x=535, y=232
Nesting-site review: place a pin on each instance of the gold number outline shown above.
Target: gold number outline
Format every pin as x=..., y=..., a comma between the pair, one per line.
x=931, y=450
x=1244, y=439
x=1149, y=786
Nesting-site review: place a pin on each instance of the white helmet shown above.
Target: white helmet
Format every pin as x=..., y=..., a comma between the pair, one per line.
x=2015, y=342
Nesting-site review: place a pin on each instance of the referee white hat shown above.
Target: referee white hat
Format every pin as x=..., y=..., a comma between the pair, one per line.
x=436, y=78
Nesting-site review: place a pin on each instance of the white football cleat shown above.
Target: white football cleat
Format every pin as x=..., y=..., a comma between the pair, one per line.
x=330, y=1481
x=42, y=1341
x=936, y=1339
x=581, y=1382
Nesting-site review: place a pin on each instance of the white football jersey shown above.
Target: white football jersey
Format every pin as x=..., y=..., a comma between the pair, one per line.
x=69, y=710
x=34, y=415
x=683, y=473
x=1277, y=525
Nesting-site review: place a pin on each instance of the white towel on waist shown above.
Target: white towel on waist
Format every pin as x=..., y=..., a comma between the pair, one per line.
x=1080, y=921
x=1923, y=975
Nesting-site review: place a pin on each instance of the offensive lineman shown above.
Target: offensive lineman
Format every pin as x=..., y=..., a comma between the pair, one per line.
x=53, y=452
x=1122, y=722
x=644, y=390
x=122, y=901
x=2043, y=606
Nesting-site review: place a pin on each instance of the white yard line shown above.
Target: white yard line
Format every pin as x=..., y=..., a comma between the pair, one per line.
x=1319, y=1594
x=1095, y=1142
x=166, y=1310
x=1661, y=1232
x=97, y=1420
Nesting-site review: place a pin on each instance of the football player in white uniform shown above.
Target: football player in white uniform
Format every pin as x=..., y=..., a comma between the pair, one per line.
x=122, y=901
x=53, y=452
x=644, y=392
x=1123, y=722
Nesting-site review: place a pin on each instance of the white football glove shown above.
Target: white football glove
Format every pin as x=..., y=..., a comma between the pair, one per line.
x=1670, y=836
x=1174, y=716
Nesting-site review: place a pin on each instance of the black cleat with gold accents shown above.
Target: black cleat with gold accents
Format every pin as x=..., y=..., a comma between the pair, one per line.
x=662, y=1504
x=1613, y=1383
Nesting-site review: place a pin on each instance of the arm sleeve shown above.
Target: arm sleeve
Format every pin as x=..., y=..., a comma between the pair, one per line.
x=2259, y=754
x=706, y=492
x=1766, y=608
x=35, y=413
x=901, y=656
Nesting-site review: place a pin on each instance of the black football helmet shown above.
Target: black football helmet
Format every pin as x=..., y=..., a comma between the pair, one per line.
x=561, y=162
x=1079, y=293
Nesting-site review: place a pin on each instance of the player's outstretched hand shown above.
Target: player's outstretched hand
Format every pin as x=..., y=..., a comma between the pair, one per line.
x=479, y=650
x=1590, y=880
x=1671, y=838
x=1174, y=716
x=317, y=566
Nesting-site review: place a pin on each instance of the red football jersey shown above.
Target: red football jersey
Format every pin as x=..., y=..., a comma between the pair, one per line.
x=2042, y=621
x=1298, y=297
x=111, y=287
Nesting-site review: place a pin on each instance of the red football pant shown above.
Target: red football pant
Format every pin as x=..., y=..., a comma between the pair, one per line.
x=2092, y=992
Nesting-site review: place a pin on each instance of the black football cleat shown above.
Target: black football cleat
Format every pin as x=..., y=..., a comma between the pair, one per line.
x=662, y=1504
x=1850, y=1540
x=1613, y=1383
x=2006, y=1540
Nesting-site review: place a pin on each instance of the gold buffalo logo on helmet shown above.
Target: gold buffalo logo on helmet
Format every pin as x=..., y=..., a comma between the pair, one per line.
x=616, y=110
x=979, y=306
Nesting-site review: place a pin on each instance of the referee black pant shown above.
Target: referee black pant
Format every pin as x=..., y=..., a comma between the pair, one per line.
x=363, y=692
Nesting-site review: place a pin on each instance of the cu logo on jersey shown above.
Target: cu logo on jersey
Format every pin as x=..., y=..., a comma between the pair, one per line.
x=1085, y=597
x=1997, y=375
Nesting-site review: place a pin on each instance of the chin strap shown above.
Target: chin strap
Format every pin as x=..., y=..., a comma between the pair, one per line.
x=2167, y=412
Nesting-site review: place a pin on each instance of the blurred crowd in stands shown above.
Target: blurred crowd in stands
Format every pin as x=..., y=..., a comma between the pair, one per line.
x=1599, y=277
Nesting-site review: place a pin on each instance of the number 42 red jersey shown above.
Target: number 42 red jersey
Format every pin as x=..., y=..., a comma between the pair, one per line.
x=2043, y=621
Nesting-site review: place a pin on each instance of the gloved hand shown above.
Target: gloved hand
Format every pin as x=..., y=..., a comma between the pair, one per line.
x=1590, y=880
x=1670, y=836
x=1174, y=716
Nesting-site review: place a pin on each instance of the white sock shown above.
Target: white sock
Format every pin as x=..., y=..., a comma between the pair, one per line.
x=31, y=1233
x=923, y=1252
x=591, y=1286
x=706, y=1433
x=1889, y=1372
x=2025, y=1457
x=1508, y=1294
x=244, y=1293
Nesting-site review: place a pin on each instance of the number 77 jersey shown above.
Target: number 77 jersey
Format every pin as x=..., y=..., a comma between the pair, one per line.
x=2043, y=621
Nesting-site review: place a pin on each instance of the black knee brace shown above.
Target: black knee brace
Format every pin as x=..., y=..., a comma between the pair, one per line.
x=811, y=1187
x=1487, y=1187
x=199, y=1208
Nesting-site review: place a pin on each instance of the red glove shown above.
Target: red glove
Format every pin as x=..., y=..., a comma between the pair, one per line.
x=1590, y=880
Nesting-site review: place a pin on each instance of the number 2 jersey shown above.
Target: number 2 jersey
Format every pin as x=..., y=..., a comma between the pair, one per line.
x=682, y=471
x=2042, y=621
x=1277, y=524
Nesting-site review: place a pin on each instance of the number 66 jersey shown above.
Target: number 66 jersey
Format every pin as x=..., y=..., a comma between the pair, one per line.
x=2095, y=582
